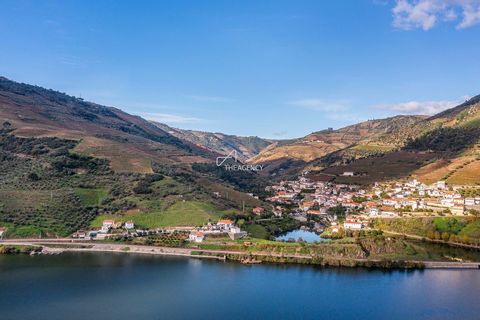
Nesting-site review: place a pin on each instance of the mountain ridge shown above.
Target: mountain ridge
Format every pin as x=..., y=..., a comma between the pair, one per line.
x=245, y=146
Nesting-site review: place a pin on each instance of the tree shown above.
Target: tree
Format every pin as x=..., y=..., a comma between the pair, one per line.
x=430, y=234
x=337, y=210
x=445, y=236
x=33, y=176
x=466, y=239
x=359, y=199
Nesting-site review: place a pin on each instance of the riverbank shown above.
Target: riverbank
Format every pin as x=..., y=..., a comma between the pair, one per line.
x=53, y=246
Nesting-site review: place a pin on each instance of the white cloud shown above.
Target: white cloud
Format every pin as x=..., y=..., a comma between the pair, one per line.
x=336, y=110
x=168, y=118
x=320, y=104
x=471, y=16
x=419, y=107
x=425, y=14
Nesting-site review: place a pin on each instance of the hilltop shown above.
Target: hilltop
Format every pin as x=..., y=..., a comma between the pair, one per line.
x=246, y=147
x=129, y=142
x=444, y=146
x=366, y=137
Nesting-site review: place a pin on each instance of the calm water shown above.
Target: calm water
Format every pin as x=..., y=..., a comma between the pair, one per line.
x=125, y=286
x=307, y=236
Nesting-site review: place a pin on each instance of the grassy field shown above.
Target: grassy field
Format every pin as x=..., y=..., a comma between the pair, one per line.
x=22, y=199
x=463, y=170
x=188, y=213
x=91, y=197
x=466, y=175
x=423, y=226
x=256, y=231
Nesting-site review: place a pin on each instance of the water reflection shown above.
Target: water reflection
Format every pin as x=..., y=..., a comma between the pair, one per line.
x=300, y=235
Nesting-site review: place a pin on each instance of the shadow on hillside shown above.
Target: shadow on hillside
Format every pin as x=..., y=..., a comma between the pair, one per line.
x=450, y=140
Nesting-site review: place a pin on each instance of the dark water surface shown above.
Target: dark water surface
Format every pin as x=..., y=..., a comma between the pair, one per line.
x=126, y=286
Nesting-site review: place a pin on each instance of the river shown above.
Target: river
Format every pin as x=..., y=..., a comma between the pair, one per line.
x=307, y=236
x=129, y=286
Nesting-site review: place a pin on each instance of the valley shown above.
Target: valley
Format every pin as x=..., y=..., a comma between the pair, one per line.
x=69, y=165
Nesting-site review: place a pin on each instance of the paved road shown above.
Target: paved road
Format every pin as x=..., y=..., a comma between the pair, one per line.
x=60, y=245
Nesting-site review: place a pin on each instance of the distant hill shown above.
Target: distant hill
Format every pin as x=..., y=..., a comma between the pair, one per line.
x=246, y=147
x=444, y=146
x=320, y=143
x=365, y=138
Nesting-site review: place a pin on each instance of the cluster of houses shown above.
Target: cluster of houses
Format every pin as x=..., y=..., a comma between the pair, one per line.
x=314, y=197
x=382, y=200
x=225, y=226
x=111, y=227
x=414, y=195
x=108, y=225
x=388, y=199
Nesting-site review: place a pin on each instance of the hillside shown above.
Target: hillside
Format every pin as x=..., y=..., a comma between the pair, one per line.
x=362, y=138
x=320, y=143
x=65, y=162
x=129, y=142
x=246, y=147
x=444, y=146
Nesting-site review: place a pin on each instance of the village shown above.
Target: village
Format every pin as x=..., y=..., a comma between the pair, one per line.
x=410, y=198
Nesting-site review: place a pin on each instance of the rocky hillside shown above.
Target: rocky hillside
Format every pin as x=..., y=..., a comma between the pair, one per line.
x=246, y=147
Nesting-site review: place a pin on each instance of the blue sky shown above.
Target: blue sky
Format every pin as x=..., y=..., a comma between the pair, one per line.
x=276, y=69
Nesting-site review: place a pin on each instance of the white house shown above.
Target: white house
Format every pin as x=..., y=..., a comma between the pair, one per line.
x=2, y=231
x=469, y=201
x=196, y=236
x=108, y=223
x=129, y=225
x=447, y=202
x=441, y=184
x=390, y=202
x=353, y=225
x=374, y=211
x=225, y=224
